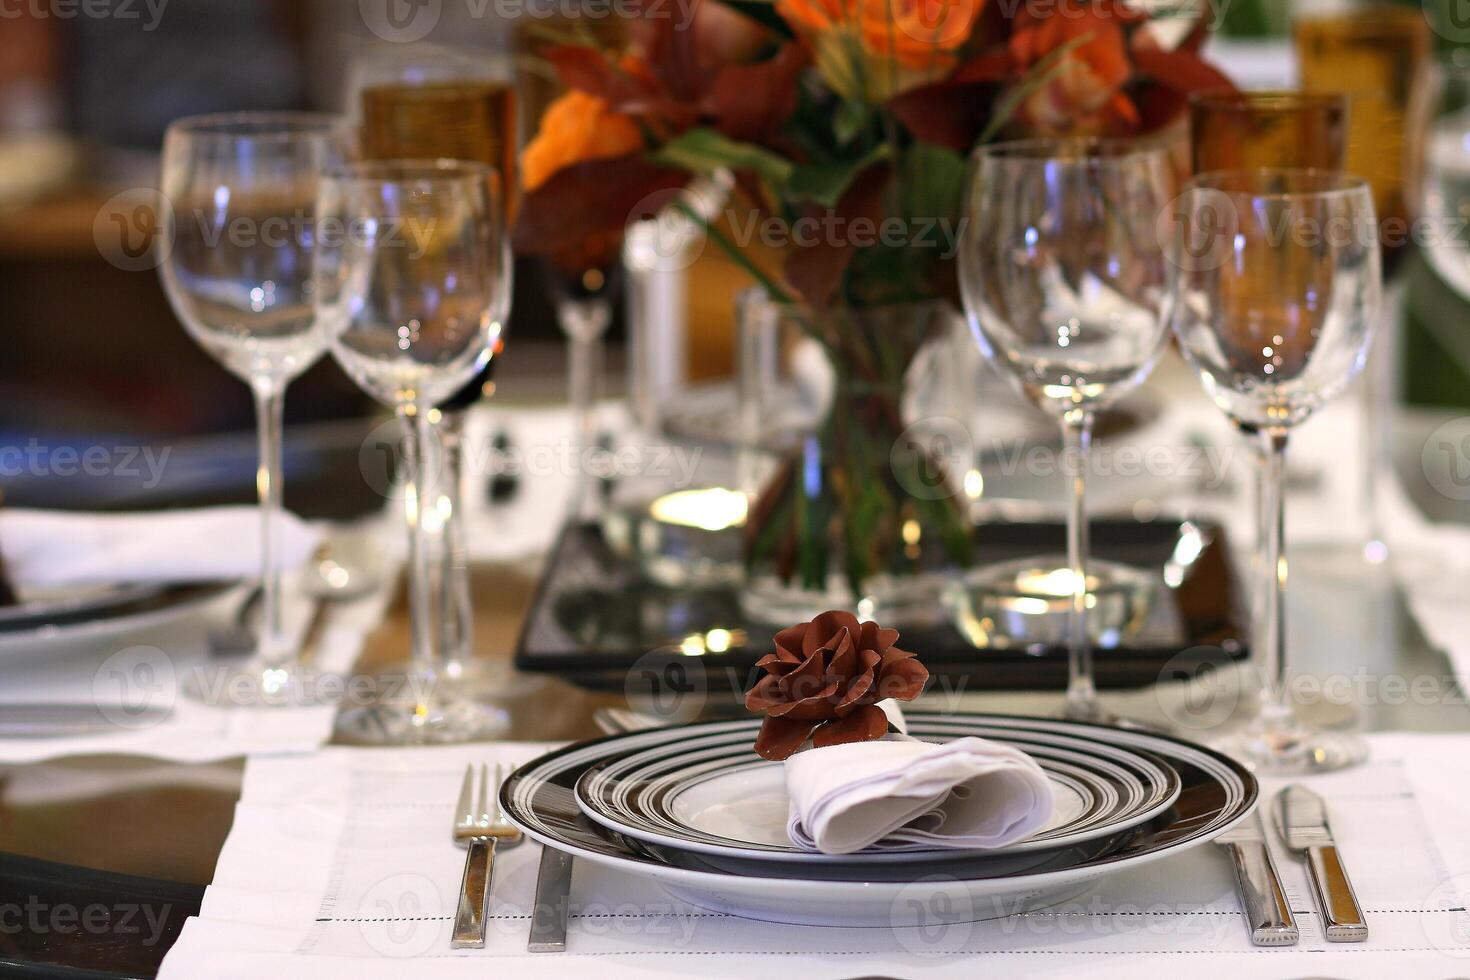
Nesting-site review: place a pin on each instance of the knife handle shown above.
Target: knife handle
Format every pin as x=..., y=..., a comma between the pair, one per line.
x=1262, y=899
x=1341, y=916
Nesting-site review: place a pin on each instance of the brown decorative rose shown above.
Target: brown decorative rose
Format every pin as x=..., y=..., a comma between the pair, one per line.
x=824, y=682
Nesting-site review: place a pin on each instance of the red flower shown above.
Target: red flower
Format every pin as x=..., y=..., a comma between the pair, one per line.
x=824, y=682
x=1085, y=93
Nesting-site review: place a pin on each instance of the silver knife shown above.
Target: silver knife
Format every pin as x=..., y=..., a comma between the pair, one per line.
x=65, y=720
x=1302, y=818
x=549, y=914
x=1262, y=899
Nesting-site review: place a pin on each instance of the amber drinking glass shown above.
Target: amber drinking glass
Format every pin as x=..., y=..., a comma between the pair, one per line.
x=1253, y=130
x=1372, y=55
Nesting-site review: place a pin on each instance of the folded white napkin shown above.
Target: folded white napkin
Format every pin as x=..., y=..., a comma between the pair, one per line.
x=51, y=549
x=899, y=793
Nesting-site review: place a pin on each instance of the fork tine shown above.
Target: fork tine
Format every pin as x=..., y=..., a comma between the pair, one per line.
x=482, y=812
x=499, y=781
x=462, y=808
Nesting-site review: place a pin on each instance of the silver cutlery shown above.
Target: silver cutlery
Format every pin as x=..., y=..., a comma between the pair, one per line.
x=549, y=914
x=65, y=720
x=1262, y=899
x=554, y=876
x=479, y=830
x=1302, y=818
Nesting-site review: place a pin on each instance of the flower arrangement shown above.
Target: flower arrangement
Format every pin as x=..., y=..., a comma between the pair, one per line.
x=834, y=115
x=838, y=107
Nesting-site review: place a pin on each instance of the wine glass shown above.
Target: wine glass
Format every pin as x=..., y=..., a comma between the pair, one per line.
x=1277, y=288
x=242, y=191
x=1238, y=130
x=585, y=285
x=410, y=287
x=455, y=108
x=1065, y=286
x=1439, y=178
x=1372, y=53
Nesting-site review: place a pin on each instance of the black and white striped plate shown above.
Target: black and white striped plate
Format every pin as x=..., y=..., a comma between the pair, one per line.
x=711, y=794
x=1216, y=794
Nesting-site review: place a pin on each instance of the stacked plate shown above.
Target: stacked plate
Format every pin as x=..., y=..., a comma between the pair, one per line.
x=96, y=613
x=696, y=810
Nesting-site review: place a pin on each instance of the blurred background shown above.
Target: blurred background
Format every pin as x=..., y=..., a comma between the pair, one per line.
x=92, y=345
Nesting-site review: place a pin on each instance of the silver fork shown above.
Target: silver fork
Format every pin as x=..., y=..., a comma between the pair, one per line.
x=478, y=830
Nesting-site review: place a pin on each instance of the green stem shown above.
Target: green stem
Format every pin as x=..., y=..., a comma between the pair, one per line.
x=775, y=292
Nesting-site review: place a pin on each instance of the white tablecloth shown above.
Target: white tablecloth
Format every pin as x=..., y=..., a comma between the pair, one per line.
x=340, y=864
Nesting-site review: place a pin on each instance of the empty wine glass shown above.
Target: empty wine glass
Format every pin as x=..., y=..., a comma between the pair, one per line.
x=1065, y=286
x=1277, y=286
x=1439, y=180
x=242, y=191
x=410, y=285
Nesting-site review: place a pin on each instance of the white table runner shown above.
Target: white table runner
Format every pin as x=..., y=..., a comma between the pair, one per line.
x=341, y=864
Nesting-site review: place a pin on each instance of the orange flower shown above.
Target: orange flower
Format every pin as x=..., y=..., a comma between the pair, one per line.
x=1085, y=94
x=575, y=128
x=875, y=49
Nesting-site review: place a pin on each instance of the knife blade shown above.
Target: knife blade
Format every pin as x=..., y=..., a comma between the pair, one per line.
x=1301, y=816
x=1262, y=899
x=63, y=720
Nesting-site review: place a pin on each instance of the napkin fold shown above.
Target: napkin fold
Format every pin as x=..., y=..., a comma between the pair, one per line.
x=51, y=549
x=899, y=793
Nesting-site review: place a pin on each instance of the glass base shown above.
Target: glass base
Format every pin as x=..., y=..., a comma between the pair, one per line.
x=1088, y=709
x=1294, y=750
x=1028, y=602
x=910, y=601
x=252, y=683
x=449, y=721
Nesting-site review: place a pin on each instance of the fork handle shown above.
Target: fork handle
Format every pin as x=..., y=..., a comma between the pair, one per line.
x=474, y=894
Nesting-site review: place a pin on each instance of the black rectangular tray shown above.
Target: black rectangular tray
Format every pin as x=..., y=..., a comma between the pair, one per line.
x=595, y=618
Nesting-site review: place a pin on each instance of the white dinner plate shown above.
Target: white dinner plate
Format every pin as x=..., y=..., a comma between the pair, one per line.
x=712, y=794
x=94, y=616
x=1217, y=793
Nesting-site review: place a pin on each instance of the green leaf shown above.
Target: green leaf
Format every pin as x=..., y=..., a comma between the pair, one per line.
x=705, y=151
x=825, y=183
x=851, y=119
x=934, y=177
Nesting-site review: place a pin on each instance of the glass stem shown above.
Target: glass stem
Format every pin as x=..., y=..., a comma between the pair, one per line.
x=1270, y=627
x=424, y=662
x=456, y=617
x=585, y=354
x=1081, y=692
x=272, y=647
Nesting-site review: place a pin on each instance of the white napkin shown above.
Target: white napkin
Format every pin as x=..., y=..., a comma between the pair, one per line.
x=50, y=549
x=899, y=793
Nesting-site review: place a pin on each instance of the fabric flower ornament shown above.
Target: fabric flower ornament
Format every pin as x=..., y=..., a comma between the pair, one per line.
x=875, y=49
x=824, y=682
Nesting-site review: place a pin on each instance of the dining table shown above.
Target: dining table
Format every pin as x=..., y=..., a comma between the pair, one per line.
x=113, y=852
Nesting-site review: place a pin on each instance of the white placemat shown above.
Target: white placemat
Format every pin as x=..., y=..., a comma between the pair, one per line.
x=340, y=864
